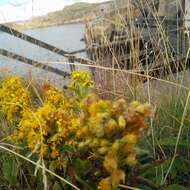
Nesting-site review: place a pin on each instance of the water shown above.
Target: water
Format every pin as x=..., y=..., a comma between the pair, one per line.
x=66, y=37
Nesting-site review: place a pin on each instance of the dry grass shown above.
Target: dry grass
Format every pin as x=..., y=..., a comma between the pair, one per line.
x=127, y=55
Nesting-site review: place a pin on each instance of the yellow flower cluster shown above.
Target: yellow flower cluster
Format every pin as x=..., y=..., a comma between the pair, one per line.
x=80, y=84
x=80, y=78
x=51, y=125
x=111, y=130
x=55, y=97
x=98, y=130
x=48, y=126
x=14, y=96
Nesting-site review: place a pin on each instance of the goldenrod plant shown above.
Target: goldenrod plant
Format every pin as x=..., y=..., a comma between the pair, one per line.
x=75, y=131
x=14, y=96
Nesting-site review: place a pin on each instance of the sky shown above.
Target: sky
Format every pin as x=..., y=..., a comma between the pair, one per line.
x=13, y=10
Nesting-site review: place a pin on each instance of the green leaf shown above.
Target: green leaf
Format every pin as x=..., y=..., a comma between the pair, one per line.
x=84, y=183
x=172, y=142
x=155, y=172
x=177, y=187
x=53, y=166
x=81, y=166
x=1, y=114
x=65, y=148
x=10, y=170
x=56, y=186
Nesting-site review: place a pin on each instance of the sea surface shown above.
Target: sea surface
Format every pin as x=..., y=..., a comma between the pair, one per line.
x=67, y=37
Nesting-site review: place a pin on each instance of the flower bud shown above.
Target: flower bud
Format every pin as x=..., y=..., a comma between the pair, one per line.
x=134, y=104
x=104, y=142
x=144, y=109
x=129, y=139
x=112, y=124
x=103, y=150
x=131, y=160
x=122, y=122
x=116, y=145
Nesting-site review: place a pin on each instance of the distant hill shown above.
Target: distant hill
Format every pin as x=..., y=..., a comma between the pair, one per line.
x=69, y=14
x=78, y=12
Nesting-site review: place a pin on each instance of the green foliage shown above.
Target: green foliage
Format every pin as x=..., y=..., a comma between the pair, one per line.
x=82, y=166
x=10, y=169
x=56, y=186
x=177, y=187
x=166, y=126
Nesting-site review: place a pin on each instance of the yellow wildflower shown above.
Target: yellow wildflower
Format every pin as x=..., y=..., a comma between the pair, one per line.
x=130, y=138
x=144, y=109
x=122, y=122
x=81, y=77
x=14, y=96
x=104, y=142
x=117, y=177
x=103, y=150
x=131, y=160
x=105, y=184
x=110, y=163
x=127, y=149
x=55, y=97
x=111, y=125
x=54, y=153
x=134, y=104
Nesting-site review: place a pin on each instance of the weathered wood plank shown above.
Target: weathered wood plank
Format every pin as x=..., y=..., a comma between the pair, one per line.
x=37, y=42
x=33, y=63
x=33, y=40
x=25, y=37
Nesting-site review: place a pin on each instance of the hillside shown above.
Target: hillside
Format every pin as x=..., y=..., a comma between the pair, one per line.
x=69, y=14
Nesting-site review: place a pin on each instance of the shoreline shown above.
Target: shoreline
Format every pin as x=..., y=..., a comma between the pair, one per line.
x=25, y=27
